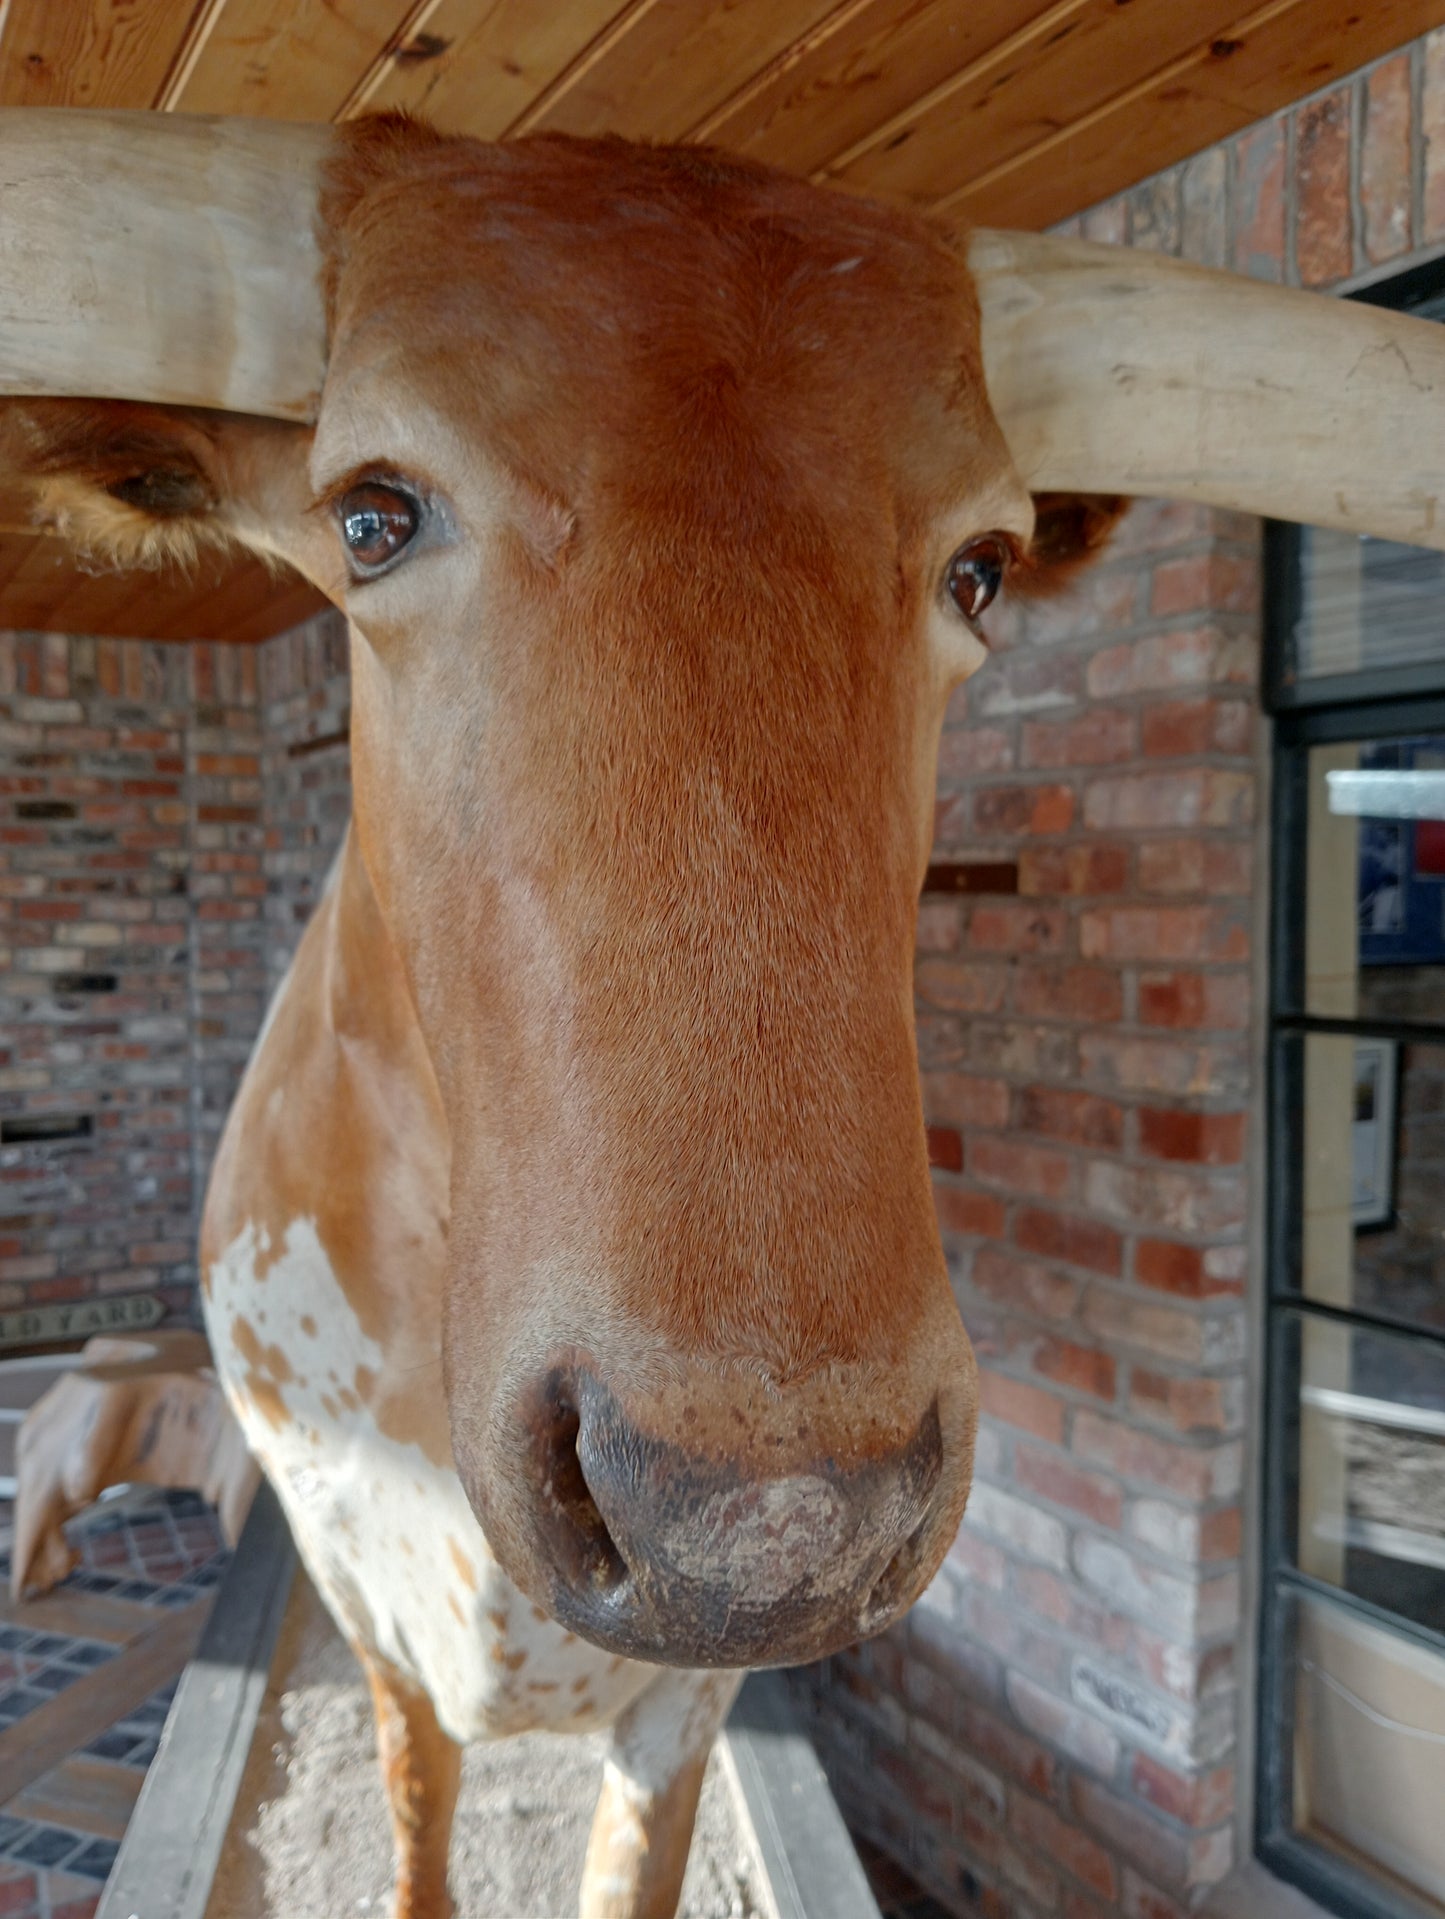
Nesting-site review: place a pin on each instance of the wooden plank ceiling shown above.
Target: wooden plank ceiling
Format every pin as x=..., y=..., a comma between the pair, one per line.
x=1008, y=112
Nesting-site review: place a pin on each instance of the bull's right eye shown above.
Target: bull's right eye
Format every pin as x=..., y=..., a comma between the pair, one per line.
x=377, y=521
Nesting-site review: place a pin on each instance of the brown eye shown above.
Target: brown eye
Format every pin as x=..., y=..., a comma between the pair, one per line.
x=975, y=573
x=377, y=522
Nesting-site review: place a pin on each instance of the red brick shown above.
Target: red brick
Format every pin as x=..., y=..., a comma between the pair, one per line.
x=1030, y=685
x=945, y=1149
x=1100, y=736
x=979, y=1561
x=1186, y=1405
x=1194, y=1799
x=1083, y=1368
x=19, y=1896
x=1009, y=810
x=1259, y=223
x=960, y=1211
x=1164, y=933
x=1221, y=1534
x=1189, y=1472
x=1004, y=1748
x=1171, y=1267
x=1091, y=994
x=966, y=1099
x=1063, y=1114
x=1178, y=865
x=1324, y=238
x=1018, y=927
x=1173, y=999
x=1143, y=1901
x=1061, y=1600
x=1132, y=1830
x=1159, y=663
x=966, y=751
x=1208, y=1139
x=1153, y=801
x=1029, y=1407
x=1180, y=1199
x=1054, y=1479
x=1183, y=729
x=940, y=926
x=961, y=986
x=970, y=1672
x=1148, y=1065
x=1432, y=102
x=1093, y=868
x=1023, y=1285
x=1061, y=1725
x=919, y=1785
x=1037, y=1171
x=1079, y=1242
x=1041, y=1827
x=1385, y=183
x=1205, y=583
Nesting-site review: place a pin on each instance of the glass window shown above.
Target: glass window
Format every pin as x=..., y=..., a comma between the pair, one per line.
x=1371, y=1179
x=1365, y=604
x=1375, y=890
x=1366, y=1729
x=1352, y=1698
x=1366, y=1430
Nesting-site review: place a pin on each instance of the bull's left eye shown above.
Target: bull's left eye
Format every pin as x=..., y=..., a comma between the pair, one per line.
x=377, y=521
x=975, y=573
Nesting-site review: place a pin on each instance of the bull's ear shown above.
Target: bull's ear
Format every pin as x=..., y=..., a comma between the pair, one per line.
x=1070, y=530
x=139, y=486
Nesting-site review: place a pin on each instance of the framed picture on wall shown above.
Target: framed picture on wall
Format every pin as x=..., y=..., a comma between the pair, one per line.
x=1375, y=1121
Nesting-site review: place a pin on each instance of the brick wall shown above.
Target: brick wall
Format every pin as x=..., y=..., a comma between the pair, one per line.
x=1057, y=1727
x=164, y=812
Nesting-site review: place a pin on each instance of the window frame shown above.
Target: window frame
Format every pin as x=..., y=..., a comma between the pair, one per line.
x=1373, y=704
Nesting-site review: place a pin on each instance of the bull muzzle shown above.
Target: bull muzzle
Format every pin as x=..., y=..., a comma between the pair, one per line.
x=722, y=1521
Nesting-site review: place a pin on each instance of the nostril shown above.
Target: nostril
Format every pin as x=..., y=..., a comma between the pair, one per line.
x=584, y=1548
x=893, y=1588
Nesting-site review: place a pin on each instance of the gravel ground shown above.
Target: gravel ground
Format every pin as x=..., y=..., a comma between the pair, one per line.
x=312, y=1840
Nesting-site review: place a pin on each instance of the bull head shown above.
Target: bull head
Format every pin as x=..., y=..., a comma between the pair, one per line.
x=663, y=493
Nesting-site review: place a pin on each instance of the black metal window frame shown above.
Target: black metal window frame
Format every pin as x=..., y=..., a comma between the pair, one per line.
x=1373, y=704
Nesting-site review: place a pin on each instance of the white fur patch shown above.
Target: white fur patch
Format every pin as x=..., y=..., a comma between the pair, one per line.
x=386, y=1534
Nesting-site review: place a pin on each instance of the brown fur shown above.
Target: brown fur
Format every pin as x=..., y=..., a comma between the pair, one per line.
x=599, y=1058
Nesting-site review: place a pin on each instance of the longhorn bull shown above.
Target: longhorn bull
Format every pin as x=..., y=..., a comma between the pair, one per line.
x=569, y=1256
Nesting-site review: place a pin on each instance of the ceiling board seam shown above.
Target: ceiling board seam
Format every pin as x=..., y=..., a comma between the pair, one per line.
x=1014, y=43
x=412, y=22
x=193, y=43
x=1172, y=70
x=579, y=66
x=780, y=64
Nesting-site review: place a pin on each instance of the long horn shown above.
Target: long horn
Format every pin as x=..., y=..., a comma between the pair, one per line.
x=1114, y=371
x=145, y=257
